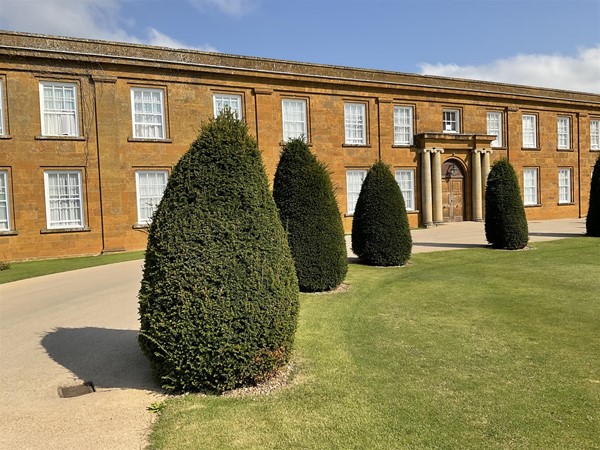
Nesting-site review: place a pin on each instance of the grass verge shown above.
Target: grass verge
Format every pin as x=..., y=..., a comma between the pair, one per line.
x=30, y=269
x=463, y=349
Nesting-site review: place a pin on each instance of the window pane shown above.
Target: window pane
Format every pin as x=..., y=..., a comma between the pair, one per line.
x=294, y=119
x=150, y=188
x=564, y=186
x=595, y=134
x=403, y=125
x=64, y=200
x=59, y=109
x=405, y=179
x=148, y=113
x=494, y=127
x=1, y=109
x=354, y=181
x=4, y=206
x=233, y=102
x=564, y=139
x=530, y=180
x=355, y=126
x=529, y=131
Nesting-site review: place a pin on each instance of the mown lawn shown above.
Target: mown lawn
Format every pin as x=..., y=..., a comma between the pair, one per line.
x=464, y=349
x=29, y=269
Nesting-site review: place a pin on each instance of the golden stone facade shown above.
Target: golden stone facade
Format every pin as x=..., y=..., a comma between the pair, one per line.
x=87, y=125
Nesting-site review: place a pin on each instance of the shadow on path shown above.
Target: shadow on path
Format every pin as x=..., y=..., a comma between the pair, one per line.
x=557, y=235
x=109, y=358
x=448, y=245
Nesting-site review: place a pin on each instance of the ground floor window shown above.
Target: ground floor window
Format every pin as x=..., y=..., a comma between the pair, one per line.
x=64, y=199
x=150, y=186
x=564, y=185
x=406, y=180
x=4, y=204
x=530, y=186
x=354, y=181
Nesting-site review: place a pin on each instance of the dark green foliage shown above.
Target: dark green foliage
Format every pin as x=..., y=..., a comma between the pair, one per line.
x=380, y=230
x=309, y=212
x=592, y=221
x=219, y=295
x=505, y=220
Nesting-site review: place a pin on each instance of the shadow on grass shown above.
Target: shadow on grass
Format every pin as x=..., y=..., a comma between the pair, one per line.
x=108, y=358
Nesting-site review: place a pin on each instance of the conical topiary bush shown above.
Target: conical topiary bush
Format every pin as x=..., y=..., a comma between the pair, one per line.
x=219, y=296
x=592, y=221
x=309, y=212
x=505, y=220
x=380, y=231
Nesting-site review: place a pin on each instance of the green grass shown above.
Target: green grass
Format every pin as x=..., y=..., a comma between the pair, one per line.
x=467, y=349
x=30, y=269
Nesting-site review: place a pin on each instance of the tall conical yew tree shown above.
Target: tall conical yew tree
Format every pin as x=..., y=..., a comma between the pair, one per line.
x=219, y=296
x=592, y=221
x=380, y=231
x=505, y=220
x=309, y=212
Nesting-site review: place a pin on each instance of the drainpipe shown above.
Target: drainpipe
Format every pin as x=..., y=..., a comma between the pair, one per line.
x=99, y=168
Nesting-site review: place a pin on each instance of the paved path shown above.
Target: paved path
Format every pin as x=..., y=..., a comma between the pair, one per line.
x=62, y=329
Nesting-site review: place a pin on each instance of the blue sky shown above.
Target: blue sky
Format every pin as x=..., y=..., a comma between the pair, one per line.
x=554, y=43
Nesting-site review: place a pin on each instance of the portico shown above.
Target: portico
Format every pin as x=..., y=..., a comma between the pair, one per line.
x=454, y=170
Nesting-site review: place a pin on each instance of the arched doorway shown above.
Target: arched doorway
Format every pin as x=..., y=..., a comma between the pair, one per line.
x=453, y=191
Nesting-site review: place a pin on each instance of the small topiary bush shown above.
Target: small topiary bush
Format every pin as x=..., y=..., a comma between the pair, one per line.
x=380, y=230
x=592, y=221
x=309, y=212
x=219, y=296
x=505, y=220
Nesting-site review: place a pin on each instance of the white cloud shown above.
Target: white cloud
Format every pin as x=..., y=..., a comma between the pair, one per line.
x=573, y=73
x=94, y=19
x=235, y=8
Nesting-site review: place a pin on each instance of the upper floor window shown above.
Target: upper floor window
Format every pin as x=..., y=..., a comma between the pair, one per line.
x=406, y=182
x=233, y=102
x=529, y=131
x=403, y=125
x=530, y=186
x=355, y=123
x=64, y=199
x=2, y=127
x=451, y=121
x=564, y=185
x=148, y=113
x=4, y=203
x=354, y=181
x=564, y=132
x=150, y=186
x=58, y=106
x=595, y=134
x=494, y=127
x=294, y=119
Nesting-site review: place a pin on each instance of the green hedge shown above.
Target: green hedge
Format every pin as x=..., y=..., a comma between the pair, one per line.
x=219, y=296
x=505, y=220
x=309, y=212
x=592, y=221
x=380, y=231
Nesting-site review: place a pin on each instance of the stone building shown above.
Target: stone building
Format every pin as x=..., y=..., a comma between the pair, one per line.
x=90, y=130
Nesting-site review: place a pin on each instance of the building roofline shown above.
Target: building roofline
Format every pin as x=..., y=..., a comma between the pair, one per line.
x=190, y=57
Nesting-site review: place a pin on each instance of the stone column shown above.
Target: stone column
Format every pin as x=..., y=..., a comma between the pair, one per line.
x=436, y=184
x=485, y=171
x=426, y=202
x=477, y=192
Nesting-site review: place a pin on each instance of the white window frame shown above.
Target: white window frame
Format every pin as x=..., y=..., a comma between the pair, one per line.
x=563, y=125
x=67, y=118
x=151, y=199
x=148, y=114
x=232, y=101
x=5, y=224
x=354, y=180
x=70, y=200
x=295, y=123
x=403, y=125
x=530, y=186
x=529, y=130
x=355, y=123
x=2, y=125
x=494, y=127
x=595, y=134
x=565, y=193
x=406, y=181
x=451, y=120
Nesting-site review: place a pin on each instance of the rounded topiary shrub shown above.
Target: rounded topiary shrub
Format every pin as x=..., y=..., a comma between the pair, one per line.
x=505, y=220
x=380, y=230
x=219, y=296
x=592, y=221
x=309, y=212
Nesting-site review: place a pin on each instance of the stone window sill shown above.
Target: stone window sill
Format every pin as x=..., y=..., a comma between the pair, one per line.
x=5, y=136
x=65, y=230
x=9, y=233
x=357, y=145
x=141, y=226
x=161, y=141
x=537, y=205
x=566, y=204
x=61, y=138
x=534, y=149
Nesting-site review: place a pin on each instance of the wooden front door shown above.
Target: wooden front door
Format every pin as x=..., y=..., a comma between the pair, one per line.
x=452, y=192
